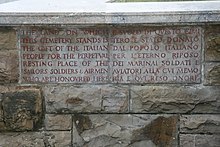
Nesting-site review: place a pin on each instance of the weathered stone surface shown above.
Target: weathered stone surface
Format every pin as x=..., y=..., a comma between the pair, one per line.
x=90, y=98
x=7, y=88
x=3, y=89
x=22, y=109
x=68, y=99
x=36, y=139
x=197, y=140
x=114, y=99
x=7, y=38
x=212, y=43
x=212, y=74
x=124, y=130
x=200, y=124
x=58, y=122
x=174, y=99
x=119, y=54
x=2, y=124
x=8, y=67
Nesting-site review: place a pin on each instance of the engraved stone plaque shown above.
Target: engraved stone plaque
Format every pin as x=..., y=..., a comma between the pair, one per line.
x=109, y=54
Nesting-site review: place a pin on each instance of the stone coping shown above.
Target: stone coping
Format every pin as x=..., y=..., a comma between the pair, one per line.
x=102, y=12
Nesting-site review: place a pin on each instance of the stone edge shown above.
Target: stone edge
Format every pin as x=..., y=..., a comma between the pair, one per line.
x=110, y=18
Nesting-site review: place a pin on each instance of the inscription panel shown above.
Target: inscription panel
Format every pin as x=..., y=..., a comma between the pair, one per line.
x=110, y=54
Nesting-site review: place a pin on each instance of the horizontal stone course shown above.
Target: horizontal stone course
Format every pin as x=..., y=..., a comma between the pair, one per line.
x=124, y=130
x=175, y=99
x=200, y=124
x=36, y=139
x=197, y=140
x=85, y=99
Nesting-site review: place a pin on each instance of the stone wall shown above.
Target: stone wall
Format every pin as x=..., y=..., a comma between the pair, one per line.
x=134, y=115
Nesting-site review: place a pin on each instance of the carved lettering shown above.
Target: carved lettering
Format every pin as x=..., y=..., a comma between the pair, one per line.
x=110, y=54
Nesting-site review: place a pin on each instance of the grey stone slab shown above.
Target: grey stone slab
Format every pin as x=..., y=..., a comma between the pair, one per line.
x=58, y=122
x=212, y=43
x=125, y=130
x=212, y=73
x=112, y=18
x=68, y=99
x=175, y=99
x=199, y=124
x=106, y=6
x=36, y=139
x=115, y=99
x=99, y=11
x=87, y=98
x=199, y=140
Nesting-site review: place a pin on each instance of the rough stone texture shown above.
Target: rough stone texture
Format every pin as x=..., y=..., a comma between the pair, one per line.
x=114, y=99
x=6, y=88
x=174, y=99
x=68, y=99
x=9, y=70
x=212, y=43
x=58, y=122
x=3, y=89
x=90, y=98
x=7, y=38
x=212, y=74
x=200, y=124
x=21, y=109
x=197, y=140
x=2, y=124
x=124, y=130
x=36, y=139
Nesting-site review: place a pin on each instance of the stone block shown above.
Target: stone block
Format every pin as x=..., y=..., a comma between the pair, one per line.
x=7, y=38
x=175, y=99
x=9, y=71
x=198, y=124
x=36, y=139
x=114, y=99
x=199, y=140
x=87, y=98
x=69, y=99
x=212, y=43
x=22, y=110
x=58, y=122
x=3, y=89
x=212, y=74
x=7, y=88
x=124, y=130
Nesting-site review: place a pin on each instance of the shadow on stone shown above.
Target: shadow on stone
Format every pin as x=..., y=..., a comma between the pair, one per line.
x=161, y=132
x=22, y=110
